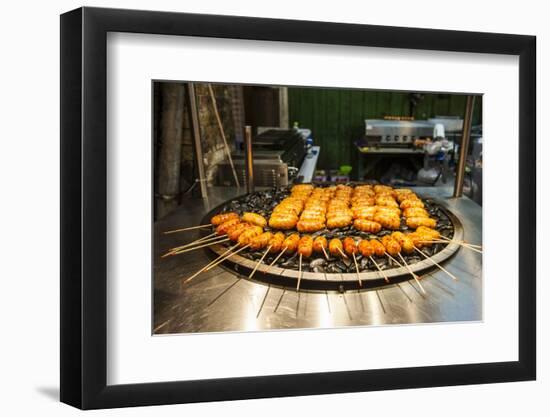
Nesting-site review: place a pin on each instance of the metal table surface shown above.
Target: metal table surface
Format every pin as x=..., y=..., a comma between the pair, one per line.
x=219, y=300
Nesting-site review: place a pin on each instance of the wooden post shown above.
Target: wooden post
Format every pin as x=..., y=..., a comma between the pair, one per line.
x=283, y=108
x=197, y=139
x=464, y=143
x=249, y=160
x=169, y=154
x=237, y=110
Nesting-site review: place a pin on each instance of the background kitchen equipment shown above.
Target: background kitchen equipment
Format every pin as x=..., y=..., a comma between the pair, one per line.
x=278, y=155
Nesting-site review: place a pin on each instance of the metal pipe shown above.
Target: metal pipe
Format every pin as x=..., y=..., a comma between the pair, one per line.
x=249, y=159
x=464, y=144
x=192, y=101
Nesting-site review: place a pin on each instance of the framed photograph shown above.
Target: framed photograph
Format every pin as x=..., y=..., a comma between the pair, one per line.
x=258, y=208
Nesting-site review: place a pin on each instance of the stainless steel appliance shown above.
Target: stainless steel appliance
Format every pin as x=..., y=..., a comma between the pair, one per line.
x=396, y=133
x=278, y=155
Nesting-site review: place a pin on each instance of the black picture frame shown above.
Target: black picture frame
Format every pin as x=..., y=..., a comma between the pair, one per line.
x=84, y=207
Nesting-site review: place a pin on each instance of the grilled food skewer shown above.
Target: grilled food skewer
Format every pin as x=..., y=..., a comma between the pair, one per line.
x=216, y=220
x=254, y=218
x=336, y=247
x=433, y=236
x=320, y=244
x=288, y=243
x=350, y=246
x=223, y=231
x=342, y=253
x=242, y=233
x=275, y=244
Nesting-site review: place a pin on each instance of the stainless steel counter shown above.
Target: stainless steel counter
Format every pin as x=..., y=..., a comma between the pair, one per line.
x=219, y=300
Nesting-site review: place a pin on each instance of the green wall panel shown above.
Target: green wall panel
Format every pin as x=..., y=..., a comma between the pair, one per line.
x=336, y=116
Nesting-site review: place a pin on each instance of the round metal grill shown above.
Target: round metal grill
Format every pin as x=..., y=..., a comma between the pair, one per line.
x=335, y=273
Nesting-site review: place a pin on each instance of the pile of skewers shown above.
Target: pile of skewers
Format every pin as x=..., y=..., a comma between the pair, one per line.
x=309, y=210
x=369, y=208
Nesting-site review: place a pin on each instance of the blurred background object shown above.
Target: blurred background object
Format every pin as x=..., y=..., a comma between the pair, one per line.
x=303, y=134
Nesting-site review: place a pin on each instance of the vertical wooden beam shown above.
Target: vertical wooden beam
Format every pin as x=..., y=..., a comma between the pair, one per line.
x=283, y=107
x=249, y=160
x=169, y=156
x=238, y=113
x=192, y=101
x=465, y=142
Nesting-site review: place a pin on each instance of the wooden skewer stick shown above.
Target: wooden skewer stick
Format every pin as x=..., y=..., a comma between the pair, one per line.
x=409, y=269
x=205, y=239
x=227, y=257
x=210, y=263
x=461, y=241
x=202, y=226
x=342, y=253
x=324, y=252
x=393, y=259
x=210, y=239
x=211, y=235
x=454, y=241
x=259, y=262
x=412, y=273
x=275, y=260
x=300, y=272
x=194, y=242
x=180, y=249
x=200, y=246
x=469, y=244
x=379, y=269
x=169, y=253
x=202, y=239
x=436, y=264
x=357, y=269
